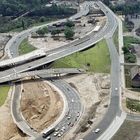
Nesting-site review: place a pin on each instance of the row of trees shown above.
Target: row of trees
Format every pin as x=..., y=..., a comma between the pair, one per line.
x=68, y=32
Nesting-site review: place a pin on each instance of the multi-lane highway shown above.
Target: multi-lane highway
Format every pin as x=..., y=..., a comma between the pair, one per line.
x=75, y=46
x=47, y=72
x=114, y=110
x=13, y=44
x=106, y=32
x=74, y=110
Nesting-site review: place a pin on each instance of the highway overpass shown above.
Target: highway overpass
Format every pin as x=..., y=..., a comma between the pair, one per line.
x=47, y=72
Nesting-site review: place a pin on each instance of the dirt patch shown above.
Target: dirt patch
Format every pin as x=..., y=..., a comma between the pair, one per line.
x=81, y=28
x=40, y=104
x=94, y=93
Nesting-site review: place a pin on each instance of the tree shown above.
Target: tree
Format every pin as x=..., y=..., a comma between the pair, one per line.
x=42, y=31
x=42, y=19
x=106, y=2
x=23, y=24
x=69, y=23
x=45, y=29
x=54, y=32
x=125, y=50
x=69, y=33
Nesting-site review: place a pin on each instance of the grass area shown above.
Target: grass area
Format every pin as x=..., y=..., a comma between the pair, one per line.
x=133, y=105
x=115, y=38
x=127, y=76
x=94, y=59
x=129, y=130
x=25, y=47
x=125, y=29
x=3, y=93
x=130, y=40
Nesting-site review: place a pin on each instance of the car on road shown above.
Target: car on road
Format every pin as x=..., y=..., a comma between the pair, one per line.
x=78, y=114
x=56, y=129
x=97, y=130
x=116, y=89
x=48, y=138
x=69, y=123
x=59, y=135
x=56, y=133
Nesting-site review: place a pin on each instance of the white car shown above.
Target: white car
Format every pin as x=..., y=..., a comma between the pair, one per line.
x=56, y=133
x=59, y=135
x=56, y=129
x=97, y=130
x=116, y=89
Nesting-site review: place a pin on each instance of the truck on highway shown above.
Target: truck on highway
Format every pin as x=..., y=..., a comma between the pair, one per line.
x=45, y=135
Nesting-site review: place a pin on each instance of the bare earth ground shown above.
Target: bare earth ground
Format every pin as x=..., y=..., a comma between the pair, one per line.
x=8, y=130
x=130, y=94
x=94, y=92
x=40, y=104
x=49, y=43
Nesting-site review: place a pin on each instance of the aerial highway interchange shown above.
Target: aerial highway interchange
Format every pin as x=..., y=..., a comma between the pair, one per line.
x=114, y=116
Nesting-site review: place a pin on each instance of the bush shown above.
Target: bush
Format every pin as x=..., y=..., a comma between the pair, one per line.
x=69, y=23
x=130, y=58
x=69, y=33
x=133, y=104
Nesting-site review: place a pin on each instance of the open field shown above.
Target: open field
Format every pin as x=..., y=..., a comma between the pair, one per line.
x=3, y=93
x=130, y=130
x=25, y=47
x=95, y=59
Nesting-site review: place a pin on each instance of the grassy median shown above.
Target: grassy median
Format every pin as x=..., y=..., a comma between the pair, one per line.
x=25, y=47
x=95, y=59
x=3, y=93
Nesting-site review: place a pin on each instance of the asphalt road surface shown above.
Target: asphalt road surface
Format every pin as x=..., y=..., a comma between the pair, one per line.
x=74, y=108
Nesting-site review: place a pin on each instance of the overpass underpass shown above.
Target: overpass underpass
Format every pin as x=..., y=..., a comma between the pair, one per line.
x=47, y=72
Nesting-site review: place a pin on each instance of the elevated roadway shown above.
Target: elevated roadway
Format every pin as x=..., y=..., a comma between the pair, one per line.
x=47, y=72
x=65, y=50
x=12, y=46
x=83, y=43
